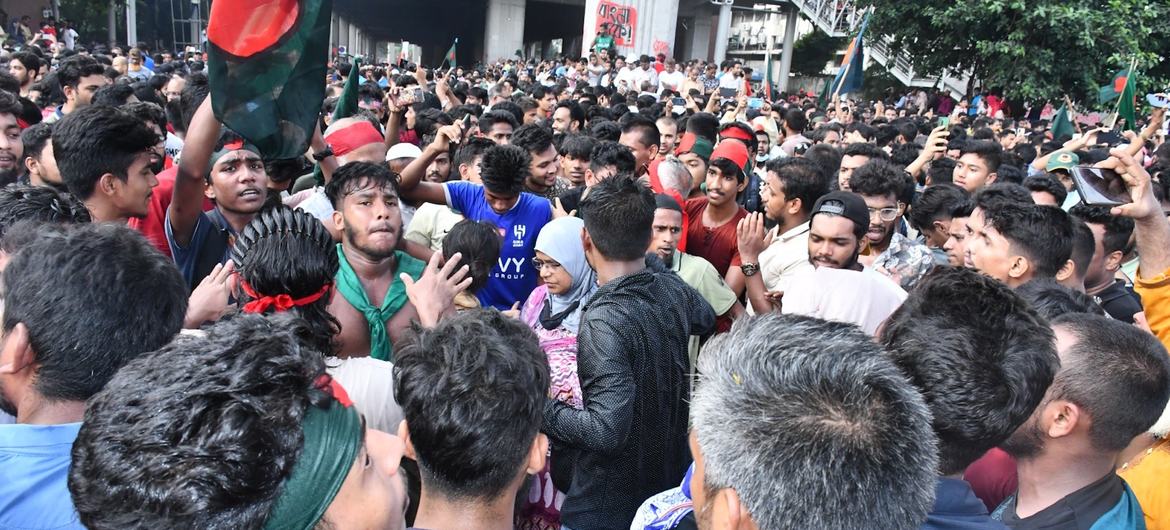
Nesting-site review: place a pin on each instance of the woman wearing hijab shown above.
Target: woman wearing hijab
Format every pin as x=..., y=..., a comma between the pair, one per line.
x=553, y=311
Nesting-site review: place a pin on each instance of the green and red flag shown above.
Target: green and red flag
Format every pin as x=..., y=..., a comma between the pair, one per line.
x=768, y=86
x=1125, y=107
x=450, y=57
x=266, y=62
x=1110, y=91
x=1062, y=124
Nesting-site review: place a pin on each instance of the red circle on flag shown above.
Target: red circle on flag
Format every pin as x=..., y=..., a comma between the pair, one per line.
x=246, y=27
x=1119, y=83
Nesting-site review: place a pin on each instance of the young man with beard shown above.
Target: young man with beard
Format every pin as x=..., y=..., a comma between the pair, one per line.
x=79, y=303
x=372, y=308
x=218, y=164
x=500, y=200
x=11, y=147
x=982, y=358
x=79, y=77
x=902, y=259
x=25, y=67
x=1113, y=384
x=104, y=155
x=840, y=288
x=632, y=359
x=666, y=232
x=792, y=187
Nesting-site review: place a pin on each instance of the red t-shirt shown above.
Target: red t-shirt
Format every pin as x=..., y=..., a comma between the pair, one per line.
x=717, y=245
x=153, y=226
x=993, y=477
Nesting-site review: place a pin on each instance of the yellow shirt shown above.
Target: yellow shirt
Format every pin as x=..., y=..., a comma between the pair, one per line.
x=1155, y=293
x=1147, y=476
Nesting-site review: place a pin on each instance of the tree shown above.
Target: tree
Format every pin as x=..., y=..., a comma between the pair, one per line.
x=813, y=51
x=1032, y=49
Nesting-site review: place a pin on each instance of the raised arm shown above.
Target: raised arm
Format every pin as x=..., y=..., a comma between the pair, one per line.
x=411, y=184
x=187, y=197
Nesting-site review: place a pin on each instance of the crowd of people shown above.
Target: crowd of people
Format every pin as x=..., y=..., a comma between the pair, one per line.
x=582, y=294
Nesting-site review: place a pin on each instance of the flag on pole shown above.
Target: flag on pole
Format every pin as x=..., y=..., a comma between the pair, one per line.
x=849, y=75
x=265, y=70
x=347, y=105
x=1110, y=92
x=1061, y=123
x=1125, y=107
x=768, y=86
x=450, y=58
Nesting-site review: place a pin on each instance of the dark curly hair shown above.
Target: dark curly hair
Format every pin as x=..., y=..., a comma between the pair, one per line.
x=38, y=204
x=472, y=390
x=287, y=251
x=479, y=244
x=201, y=433
x=504, y=169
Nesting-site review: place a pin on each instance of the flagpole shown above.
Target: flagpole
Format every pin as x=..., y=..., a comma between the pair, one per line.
x=1128, y=74
x=1072, y=113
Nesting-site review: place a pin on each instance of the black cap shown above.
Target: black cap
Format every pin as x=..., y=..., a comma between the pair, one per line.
x=845, y=204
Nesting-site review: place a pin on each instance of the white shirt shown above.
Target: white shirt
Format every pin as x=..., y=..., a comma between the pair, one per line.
x=784, y=259
x=370, y=385
x=865, y=298
x=671, y=80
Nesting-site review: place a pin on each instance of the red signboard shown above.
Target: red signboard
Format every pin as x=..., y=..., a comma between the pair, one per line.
x=622, y=20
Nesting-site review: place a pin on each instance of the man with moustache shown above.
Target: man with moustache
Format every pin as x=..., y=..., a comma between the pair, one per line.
x=902, y=259
x=11, y=147
x=372, y=306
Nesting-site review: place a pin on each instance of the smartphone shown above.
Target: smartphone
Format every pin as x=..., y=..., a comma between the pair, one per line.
x=727, y=93
x=418, y=94
x=1099, y=186
x=755, y=103
x=944, y=121
x=678, y=102
x=466, y=122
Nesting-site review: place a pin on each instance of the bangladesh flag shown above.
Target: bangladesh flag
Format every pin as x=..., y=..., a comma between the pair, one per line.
x=450, y=57
x=266, y=65
x=768, y=96
x=1110, y=92
x=1125, y=108
x=1062, y=125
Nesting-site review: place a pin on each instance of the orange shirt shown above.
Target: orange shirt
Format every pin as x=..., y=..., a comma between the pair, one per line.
x=1147, y=475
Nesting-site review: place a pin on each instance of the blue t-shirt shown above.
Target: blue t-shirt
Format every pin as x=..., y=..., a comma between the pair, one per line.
x=34, y=474
x=186, y=258
x=513, y=278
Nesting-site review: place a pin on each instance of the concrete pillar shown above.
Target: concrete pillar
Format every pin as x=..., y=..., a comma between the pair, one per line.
x=132, y=23
x=786, y=59
x=504, y=32
x=354, y=39
x=334, y=23
x=722, y=28
x=343, y=32
x=700, y=37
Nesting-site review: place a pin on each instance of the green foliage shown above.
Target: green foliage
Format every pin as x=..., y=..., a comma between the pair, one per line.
x=813, y=51
x=1033, y=49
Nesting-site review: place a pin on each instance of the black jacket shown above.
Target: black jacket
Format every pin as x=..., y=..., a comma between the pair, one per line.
x=630, y=441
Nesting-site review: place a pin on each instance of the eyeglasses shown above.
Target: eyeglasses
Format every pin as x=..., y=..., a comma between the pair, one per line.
x=539, y=264
x=885, y=214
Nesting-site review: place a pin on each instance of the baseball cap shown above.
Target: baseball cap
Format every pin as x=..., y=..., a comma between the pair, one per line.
x=845, y=204
x=1062, y=160
x=734, y=151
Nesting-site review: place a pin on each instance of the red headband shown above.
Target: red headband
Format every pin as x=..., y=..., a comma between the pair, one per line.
x=735, y=132
x=361, y=133
x=281, y=302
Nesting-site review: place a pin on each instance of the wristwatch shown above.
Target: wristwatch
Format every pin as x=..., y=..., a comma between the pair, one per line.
x=750, y=269
x=322, y=155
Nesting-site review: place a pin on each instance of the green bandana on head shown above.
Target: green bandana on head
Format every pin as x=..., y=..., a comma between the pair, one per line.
x=332, y=438
x=350, y=287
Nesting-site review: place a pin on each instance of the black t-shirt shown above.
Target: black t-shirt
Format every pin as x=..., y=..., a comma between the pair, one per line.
x=1119, y=301
x=1079, y=510
x=571, y=200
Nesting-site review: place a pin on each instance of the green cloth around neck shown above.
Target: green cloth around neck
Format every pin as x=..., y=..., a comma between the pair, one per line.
x=350, y=287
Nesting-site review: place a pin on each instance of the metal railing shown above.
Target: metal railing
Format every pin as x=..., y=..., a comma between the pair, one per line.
x=840, y=18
